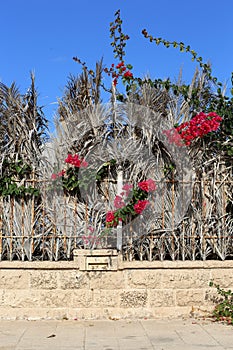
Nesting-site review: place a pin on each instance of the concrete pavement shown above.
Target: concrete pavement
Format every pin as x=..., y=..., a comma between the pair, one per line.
x=174, y=334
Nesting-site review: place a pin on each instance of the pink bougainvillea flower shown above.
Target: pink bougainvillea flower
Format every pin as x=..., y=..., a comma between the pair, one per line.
x=61, y=173
x=147, y=186
x=140, y=206
x=69, y=159
x=53, y=176
x=118, y=202
x=127, y=188
x=84, y=164
x=110, y=216
x=111, y=219
x=197, y=127
x=76, y=161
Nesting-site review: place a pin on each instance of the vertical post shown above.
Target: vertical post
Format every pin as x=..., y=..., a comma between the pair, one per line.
x=119, y=190
x=1, y=226
x=32, y=217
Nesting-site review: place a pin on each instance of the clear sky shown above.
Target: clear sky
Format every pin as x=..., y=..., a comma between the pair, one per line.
x=43, y=36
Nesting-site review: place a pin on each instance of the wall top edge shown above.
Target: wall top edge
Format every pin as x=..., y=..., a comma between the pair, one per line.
x=122, y=265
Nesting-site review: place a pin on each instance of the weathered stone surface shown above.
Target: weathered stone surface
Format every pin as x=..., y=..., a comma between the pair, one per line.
x=144, y=279
x=162, y=289
x=21, y=298
x=80, y=298
x=133, y=298
x=190, y=297
x=163, y=298
x=54, y=299
x=96, y=260
x=2, y=292
x=73, y=280
x=106, y=298
x=211, y=296
x=106, y=280
x=223, y=277
x=43, y=279
x=14, y=279
x=183, y=279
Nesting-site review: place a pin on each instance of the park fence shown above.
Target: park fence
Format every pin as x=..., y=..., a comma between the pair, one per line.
x=45, y=228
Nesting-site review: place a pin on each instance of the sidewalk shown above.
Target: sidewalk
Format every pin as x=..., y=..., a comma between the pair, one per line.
x=172, y=334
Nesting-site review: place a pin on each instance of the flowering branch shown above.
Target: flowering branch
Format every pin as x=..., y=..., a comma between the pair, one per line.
x=199, y=126
x=137, y=202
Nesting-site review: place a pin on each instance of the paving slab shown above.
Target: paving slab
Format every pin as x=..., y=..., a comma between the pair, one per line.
x=172, y=334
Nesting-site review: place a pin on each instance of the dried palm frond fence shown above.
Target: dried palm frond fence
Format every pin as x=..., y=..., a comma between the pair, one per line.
x=49, y=227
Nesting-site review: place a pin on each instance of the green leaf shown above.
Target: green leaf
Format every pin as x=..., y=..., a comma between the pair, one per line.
x=129, y=66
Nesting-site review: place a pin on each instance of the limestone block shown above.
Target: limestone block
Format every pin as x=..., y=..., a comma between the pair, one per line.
x=133, y=298
x=80, y=298
x=14, y=279
x=190, y=297
x=65, y=299
x=55, y=298
x=117, y=313
x=171, y=311
x=179, y=279
x=96, y=259
x=84, y=313
x=106, y=280
x=165, y=297
x=2, y=292
x=105, y=298
x=20, y=298
x=36, y=313
x=144, y=279
x=73, y=280
x=223, y=277
x=43, y=279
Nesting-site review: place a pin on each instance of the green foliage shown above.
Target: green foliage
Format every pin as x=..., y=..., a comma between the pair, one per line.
x=13, y=178
x=204, y=66
x=72, y=182
x=224, y=310
x=119, y=38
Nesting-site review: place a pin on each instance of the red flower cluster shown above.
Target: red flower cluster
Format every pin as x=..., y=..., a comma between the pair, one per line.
x=128, y=74
x=198, y=126
x=76, y=161
x=147, y=186
x=121, y=71
x=121, y=66
x=110, y=216
x=73, y=160
x=140, y=206
x=111, y=219
x=128, y=206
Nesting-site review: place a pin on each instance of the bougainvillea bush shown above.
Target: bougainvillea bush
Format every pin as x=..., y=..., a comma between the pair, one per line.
x=154, y=164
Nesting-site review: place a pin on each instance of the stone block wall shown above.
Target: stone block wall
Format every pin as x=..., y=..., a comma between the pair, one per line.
x=61, y=290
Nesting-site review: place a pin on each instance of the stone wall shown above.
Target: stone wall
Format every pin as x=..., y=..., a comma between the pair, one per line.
x=62, y=290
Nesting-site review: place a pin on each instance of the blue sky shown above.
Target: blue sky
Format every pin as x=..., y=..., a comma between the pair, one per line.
x=43, y=36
